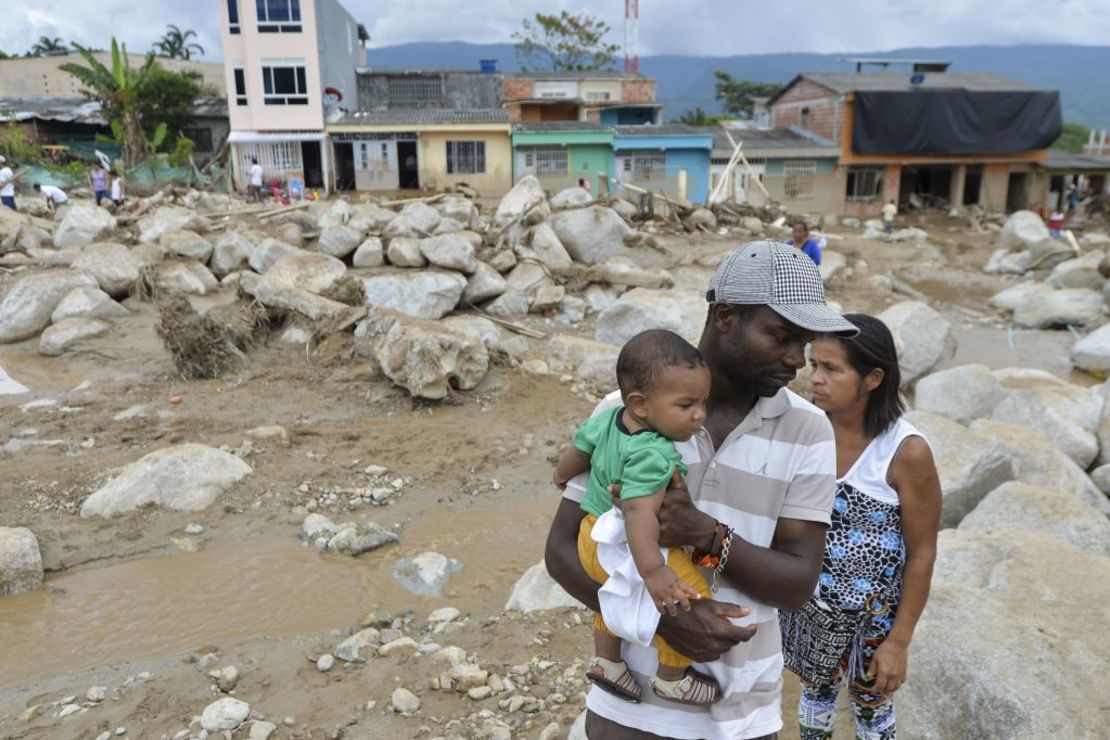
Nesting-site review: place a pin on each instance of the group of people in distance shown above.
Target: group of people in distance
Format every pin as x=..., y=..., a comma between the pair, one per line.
x=722, y=528
x=104, y=184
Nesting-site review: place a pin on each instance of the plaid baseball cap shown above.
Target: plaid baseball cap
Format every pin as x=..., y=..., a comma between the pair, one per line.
x=776, y=275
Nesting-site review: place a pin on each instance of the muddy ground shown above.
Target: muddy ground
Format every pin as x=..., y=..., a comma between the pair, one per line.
x=135, y=594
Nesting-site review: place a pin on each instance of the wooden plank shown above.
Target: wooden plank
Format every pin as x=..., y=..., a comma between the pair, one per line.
x=402, y=201
x=284, y=209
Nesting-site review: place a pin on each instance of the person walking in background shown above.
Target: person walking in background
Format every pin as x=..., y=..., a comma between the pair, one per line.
x=890, y=210
x=98, y=181
x=803, y=242
x=254, y=189
x=7, y=184
x=117, y=188
x=1056, y=223
x=1073, y=201
x=880, y=548
x=54, y=196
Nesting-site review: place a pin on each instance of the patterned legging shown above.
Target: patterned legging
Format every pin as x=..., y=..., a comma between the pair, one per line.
x=874, y=713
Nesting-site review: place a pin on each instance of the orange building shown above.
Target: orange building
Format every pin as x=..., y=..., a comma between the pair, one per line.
x=608, y=98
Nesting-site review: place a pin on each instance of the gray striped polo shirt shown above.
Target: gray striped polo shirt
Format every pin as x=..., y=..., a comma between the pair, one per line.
x=778, y=463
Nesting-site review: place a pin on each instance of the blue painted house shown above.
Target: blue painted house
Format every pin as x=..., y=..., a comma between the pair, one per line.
x=673, y=160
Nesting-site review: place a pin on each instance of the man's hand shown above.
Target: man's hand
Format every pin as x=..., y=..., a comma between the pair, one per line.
x=888, y=667
x=668, y=590
x=680, y=522
x=704, y=633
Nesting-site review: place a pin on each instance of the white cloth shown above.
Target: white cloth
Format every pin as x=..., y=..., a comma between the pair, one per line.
x=7, y=187
x=55, y=194
x=889, y=212
x=626, y=605
x=117, y=189
x=256, y=175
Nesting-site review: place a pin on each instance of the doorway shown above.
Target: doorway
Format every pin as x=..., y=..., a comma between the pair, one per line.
x=409, y=167
x=1017, y=192
x=344, y=166
x=926, y=186
x=313, y=166
x=973, y=183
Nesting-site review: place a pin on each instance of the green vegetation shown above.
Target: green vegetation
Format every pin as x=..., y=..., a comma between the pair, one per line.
x=175, y=44
x=737, y=94
x=568, y=42
x=46, y=45
x=1072, y=138
x=698, y=117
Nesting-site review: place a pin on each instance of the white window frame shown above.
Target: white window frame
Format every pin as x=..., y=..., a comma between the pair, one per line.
x=799, y=178
x=645, y=165
x=547, y=161
x=599, y=95
x=868, y=182
x=466, y=157
x=298, y=97
x=290, y=25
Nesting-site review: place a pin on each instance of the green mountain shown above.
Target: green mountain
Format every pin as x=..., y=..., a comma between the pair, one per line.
x=686, y=82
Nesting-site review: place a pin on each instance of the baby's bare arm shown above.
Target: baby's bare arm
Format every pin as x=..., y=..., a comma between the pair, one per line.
x=641, y=526
x=573, y=462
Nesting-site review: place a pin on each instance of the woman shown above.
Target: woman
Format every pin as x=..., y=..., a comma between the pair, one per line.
x=880, y=546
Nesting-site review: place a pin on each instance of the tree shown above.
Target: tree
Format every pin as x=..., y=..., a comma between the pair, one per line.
x=175, y=44
x=118, y=90
x=1072, y=138
x=566, y=42
x=697, y=117
x=166, y=97
x=737, y=94
x=47, y=45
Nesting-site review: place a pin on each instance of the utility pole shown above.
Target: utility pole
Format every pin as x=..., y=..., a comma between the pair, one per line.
x=631, y=36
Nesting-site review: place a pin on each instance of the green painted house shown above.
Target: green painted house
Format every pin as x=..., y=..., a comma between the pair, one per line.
x=560, y=153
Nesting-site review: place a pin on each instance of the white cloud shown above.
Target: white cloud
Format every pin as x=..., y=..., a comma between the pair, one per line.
x=704, y=27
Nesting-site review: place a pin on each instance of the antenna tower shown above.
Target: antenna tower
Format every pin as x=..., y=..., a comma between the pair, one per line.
x=631, y=36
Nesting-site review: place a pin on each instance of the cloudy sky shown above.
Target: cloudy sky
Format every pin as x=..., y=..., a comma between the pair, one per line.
x=703, y=27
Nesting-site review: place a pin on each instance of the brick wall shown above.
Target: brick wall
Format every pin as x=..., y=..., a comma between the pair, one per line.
x=519, y=89
x=638, y=91
x=809, y=106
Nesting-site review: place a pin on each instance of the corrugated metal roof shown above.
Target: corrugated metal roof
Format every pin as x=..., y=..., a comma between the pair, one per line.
x=670, y=129
x=771, y=138
x=1059, y=160
x=560, y=126
x=423, y=116
x=894, y=81
x=70, y=110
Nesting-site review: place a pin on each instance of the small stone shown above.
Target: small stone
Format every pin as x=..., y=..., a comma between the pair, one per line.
x=551, y=732
x=97, y=694
x=121, y=731
x=69, y=709
x=389, y=634
x=262, y=730
x=376, y=470
x=223, y=714
x=325, y=662
x=404, y=701
x=467, y=676
x=480, y=692
x=104, y=735
x=194, y=529
x=227, y=679
x=289, y=722
x=370, y=705
x=398, y=645
x=441, y=616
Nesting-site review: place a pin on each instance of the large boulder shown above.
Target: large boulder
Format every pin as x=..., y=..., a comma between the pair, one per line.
x=1012, y=621
x=58, y=337
x=416, y=220
x=963, y=393
x=593, y=362
x=1025, y=237
x=1103, y=431
x=369, y=254
x=536, y=591
x=20, y=561
x=311, y=271
x=541, y=244
x=338, y=213
x=339, y=241
x=169, y=218
x=927, y=339
x=831, y=264
x=484, y=284
x=527, y=279
x=1092, y=352
x=83, y=224
x=426, y=358
x=591, y=234
x=458, y=208
x=187, y=477
x=970, y=464
x=404, y=251
x=268, y=252
x=185, y=243
x=1067, y=415
x=28, y=305
x=571, y=197
x=1010, y=298
x=455, y=251
x=524, y=196
x=280, y=295
x=1044, y=509
x=426, y=295
x=88, y=302
x=189, y=277
x=231, y=251
x=1059, y=309
x=370, y=218
x=1081, y=272
x=113, y=265
x=641, y=309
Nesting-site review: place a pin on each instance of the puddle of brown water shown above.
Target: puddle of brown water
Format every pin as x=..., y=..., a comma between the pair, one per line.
x=178, y=603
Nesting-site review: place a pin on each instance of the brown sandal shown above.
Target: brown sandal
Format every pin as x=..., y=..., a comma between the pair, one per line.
x=694, y=689
x=613, y=677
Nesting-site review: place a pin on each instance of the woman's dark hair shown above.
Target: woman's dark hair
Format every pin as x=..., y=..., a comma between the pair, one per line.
x=874, y=348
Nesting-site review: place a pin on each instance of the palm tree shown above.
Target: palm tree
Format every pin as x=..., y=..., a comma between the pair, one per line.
x=117, y=91
x=175, y=44
x=47, y=45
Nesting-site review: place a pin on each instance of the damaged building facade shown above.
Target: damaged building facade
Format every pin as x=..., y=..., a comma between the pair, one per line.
x=288, y=65
x=928, y=135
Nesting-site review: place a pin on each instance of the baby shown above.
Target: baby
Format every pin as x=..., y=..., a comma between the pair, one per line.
x=664, y=385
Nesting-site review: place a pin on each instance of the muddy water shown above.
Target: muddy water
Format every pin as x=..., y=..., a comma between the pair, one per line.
x=175, y=604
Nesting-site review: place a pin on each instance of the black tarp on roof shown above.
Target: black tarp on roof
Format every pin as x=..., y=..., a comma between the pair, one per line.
x=955, y=121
